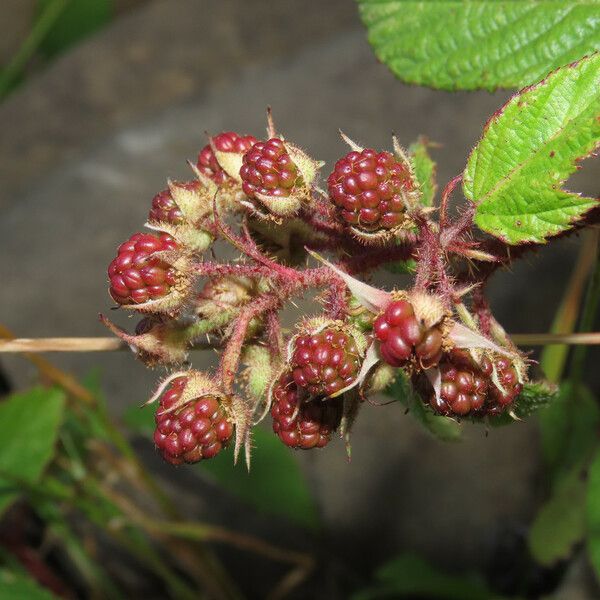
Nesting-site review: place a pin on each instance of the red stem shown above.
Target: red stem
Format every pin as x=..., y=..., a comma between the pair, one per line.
x=450, y=186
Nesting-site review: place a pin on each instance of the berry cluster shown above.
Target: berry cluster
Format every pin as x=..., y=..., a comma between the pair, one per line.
x=370, y=189
x=268, y=170
x=325, y=362
x=137, y=274
x=302, y=421
x=197, y=430
x=511, y=387
x=263, y=194
x=403, y=337
x=164, y=208
x=229, y=142
x=468, y=386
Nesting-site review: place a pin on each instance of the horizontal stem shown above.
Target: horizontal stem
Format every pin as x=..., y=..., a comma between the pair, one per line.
x=548, y=339
x=73, y=344
x=109, y=344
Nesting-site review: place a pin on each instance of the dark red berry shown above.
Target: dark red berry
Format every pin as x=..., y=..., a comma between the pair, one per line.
x=228, y=141
x=369, y=189
x=323, y=363
x=508, y=377
x=465, y=385
x=300, y=420
x=198, y=430
x=136, y=275
x=164, y=208
x=269, y=170
x=402, y=336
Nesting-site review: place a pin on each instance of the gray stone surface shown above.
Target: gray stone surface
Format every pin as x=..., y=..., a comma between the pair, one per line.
x=86, y=176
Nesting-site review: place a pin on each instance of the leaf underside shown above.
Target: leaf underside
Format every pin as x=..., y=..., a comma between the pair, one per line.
x=455, y=45
x=529, y=148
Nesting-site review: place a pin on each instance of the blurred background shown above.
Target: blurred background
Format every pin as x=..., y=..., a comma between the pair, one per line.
x=100, y=102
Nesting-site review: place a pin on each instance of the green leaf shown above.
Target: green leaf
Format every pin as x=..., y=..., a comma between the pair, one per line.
x=456, y=45
x=29, y=424
x=444, y=428
x=425, y=169
x=560, y=523
x=593, y=514
x=275, y=483
x=14, y=586
x=529, y=148
x=409, y=576
x=79, y=19
x=535, y=396
x=569, y=429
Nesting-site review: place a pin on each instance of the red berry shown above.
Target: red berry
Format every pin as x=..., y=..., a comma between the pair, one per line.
x=508, y=377
x=136, y=276
x=464, y=388
x=164, y=208
x=303, y=421
x=402, y=336
x=368, y=188
x=197, y=430
x=325, y=362
x=269, y=170
x=228, y=141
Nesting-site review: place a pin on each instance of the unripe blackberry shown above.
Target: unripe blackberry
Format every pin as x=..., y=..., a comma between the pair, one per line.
x=403, y=337
x=464, y=387
x=302, y=421
x=370, y=190
x=164, y=208
x=228, y=141
x=197, y=430
x=268, y=170
x=136, y=275
x=509, y=379
x=325, y=362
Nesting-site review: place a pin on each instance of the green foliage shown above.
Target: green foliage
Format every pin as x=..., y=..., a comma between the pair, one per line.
x=560, y=522
x=451, y=45
x=275, y=483
x=16, y=586
x=593, y=514
x=425, y=169
x=409, y=576
x=528, y=149
x=569, y=429
x=79, y=19
x=444, y=428
x=29, y=425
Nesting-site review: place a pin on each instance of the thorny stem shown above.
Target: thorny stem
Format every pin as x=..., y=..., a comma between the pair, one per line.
x=272, y=301
x=274, y=333
x=450, y=186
